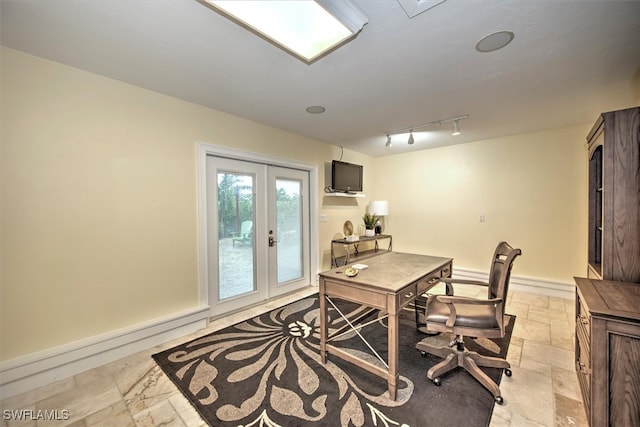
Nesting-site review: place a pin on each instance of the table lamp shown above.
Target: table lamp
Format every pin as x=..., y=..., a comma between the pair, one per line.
x=379, y=208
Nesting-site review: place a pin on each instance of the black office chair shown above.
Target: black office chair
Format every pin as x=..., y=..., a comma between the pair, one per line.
x=471, y=317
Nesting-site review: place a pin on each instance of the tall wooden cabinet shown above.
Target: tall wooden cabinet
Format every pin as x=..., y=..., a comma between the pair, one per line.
x=607, y=345
x=614, y=196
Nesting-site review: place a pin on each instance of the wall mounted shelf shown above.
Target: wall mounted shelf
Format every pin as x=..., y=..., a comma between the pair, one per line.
x=345, y=195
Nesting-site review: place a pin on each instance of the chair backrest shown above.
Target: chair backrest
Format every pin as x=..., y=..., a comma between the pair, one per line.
x=245, y=228
x=500, y=273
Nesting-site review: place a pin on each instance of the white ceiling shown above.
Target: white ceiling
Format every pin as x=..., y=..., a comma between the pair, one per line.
x=569, y=61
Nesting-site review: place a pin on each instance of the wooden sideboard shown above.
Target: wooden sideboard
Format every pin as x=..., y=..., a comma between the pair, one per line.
x=607, y=351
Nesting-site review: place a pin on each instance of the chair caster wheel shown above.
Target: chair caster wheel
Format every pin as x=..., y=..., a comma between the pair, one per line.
x=499, y=400
x=436, y=381
x=423, y=353
x=508, y=372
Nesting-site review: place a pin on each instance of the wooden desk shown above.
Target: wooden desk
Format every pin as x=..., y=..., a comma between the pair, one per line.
x=392, y=281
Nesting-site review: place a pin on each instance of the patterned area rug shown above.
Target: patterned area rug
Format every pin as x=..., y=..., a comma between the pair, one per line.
x=267, y=371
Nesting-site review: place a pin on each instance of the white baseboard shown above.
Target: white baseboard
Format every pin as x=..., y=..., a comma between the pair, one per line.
x=524, y=284
x=34, y=370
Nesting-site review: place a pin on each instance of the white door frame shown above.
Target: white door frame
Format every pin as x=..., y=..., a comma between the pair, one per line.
x=205, y=149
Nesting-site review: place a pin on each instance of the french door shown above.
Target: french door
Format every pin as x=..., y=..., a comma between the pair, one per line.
x=258, y=232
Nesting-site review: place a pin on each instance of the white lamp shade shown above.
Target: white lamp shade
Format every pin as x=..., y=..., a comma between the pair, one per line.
x=379, y=207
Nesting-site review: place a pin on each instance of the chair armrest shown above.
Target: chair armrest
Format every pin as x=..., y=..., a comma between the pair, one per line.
x=463, y=281
x=449, y=281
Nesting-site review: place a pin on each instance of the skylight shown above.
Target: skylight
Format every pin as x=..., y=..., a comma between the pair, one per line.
x=308, y=29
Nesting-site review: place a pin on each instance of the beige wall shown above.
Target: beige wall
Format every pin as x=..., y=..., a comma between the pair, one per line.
x=99, y=200
x=530, y=188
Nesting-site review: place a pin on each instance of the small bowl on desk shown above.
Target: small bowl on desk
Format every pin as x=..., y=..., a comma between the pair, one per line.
x=350, y=272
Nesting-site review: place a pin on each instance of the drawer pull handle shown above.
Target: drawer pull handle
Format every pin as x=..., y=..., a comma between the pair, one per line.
x=409, y=295
x=582, y=368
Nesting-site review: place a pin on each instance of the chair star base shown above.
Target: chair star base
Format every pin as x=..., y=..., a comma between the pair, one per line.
x=456, y=355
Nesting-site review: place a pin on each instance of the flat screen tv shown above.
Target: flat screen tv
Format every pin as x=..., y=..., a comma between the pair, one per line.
x=346, y=177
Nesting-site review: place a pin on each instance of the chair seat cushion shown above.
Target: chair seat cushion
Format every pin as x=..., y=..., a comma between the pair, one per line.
x=467, y=315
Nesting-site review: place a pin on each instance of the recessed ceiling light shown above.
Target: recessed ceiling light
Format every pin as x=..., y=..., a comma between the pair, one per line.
x=307, y=29
x=315, y=109
x=494, y=41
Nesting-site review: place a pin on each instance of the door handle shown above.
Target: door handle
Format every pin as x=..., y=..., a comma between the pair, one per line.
x=272, y=241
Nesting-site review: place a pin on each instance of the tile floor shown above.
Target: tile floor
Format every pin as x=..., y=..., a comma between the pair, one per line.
x=133, y=391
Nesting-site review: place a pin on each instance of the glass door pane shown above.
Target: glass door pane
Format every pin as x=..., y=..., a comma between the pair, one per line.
x=289, y=226
x=288, y=203
x=236, y=237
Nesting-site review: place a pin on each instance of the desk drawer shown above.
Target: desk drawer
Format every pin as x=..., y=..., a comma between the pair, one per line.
x=431, y=280
x=428, y=282
x=357, y=294
x=407, y=294
x=583, y=322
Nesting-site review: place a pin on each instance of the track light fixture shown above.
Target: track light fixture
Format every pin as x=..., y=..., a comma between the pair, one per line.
x=411, y=141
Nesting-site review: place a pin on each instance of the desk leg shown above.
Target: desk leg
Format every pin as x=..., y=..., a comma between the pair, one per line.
x=334, y=263
x=323, y=322
x=392, y=337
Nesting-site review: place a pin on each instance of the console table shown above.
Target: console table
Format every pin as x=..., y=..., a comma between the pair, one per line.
x=357, y=255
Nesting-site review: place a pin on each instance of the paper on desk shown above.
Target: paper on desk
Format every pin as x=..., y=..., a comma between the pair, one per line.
x=360, y=266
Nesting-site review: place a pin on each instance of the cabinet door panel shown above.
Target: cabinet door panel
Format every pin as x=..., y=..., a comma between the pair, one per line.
x=624, y=374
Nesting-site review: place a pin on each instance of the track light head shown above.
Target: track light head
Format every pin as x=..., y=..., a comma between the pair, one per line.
x=411, y=140
x=388, y=144
x=456, y=128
